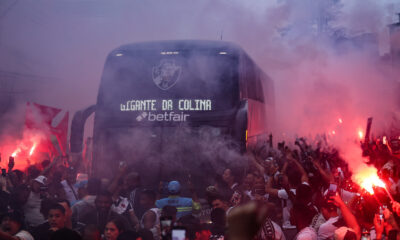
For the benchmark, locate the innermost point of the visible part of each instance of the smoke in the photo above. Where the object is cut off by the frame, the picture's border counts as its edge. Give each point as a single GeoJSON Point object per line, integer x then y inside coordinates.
{"type": "Point", "coordinates": [333, 70]}
{"type": "Point", "coordinates": [180, 153]}
{"type": "Point", "coordinates": [322, 68]}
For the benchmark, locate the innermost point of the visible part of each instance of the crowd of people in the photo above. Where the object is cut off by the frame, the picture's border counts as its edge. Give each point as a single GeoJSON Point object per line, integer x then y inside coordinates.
{"type": "Point", "coordinates": [301, 192]}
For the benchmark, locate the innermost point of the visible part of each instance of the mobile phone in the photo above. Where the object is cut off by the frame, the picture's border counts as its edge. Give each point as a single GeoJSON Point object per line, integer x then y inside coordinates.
{"type": "Point", "coordinates": [381, 209]}
{"type": "Point", "coordinates": [332, 189]}
{"type": "Point", "coordinates": [178, 233]}
{"type": "Point", "coordinates": [165, 223]}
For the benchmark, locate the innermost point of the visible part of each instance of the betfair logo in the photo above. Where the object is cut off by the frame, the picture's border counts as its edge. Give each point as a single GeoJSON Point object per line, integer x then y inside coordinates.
{"type": "Point", "coordinates": [160, 117]}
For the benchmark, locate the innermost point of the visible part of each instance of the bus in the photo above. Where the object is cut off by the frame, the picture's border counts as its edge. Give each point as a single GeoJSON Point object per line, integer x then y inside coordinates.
{"type": "Point", "coordinates": [171, 109]}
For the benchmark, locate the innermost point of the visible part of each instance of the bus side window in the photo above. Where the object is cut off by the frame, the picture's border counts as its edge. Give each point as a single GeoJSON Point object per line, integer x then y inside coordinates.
{"type": "Point", "coordinates": [251, 80]}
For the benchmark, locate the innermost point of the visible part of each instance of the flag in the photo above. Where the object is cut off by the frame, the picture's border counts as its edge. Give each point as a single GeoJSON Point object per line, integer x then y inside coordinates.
{"type": "Point", "coordinates": [53, 123]}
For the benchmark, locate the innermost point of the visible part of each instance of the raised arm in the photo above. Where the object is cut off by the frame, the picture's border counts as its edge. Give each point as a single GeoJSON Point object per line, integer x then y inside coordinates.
{"type": "Point", "coordinates": [325, 174]}
{"type": "Point", "coordinates": [253, 160]}
{"type": "Point", "coordinates": [348, 216]}
{"type": "Point", "coordinates": [113, 187]}
{"type": "Point", "coordinates": [304, 175]}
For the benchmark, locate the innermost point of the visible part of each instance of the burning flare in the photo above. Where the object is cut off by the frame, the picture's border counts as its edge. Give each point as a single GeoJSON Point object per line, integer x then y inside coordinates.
{"type": "Point", "coordinates": [32, 149]}
{"type": "Point", "coordinates": [360, 134]}
{"type": "Point", "coordinates": [368, 178]}
{"type": "Point", "coordinates": [14, 154]}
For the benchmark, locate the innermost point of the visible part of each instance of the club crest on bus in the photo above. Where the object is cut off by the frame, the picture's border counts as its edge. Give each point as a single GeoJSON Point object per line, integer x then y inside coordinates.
{"type": "Point", "coordinates": [166, 74]}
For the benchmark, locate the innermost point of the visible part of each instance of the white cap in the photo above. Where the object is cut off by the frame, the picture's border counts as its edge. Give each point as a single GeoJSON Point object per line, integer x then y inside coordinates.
{"type": "Point", "coordinates": [41, 179]}
{"type": "Point", "coordinates": [268, 159]}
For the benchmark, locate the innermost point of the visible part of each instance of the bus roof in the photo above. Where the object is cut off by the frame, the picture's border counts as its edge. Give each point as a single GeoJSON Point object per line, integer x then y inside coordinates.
{"type": "Point", "coordinates": [176, 45]}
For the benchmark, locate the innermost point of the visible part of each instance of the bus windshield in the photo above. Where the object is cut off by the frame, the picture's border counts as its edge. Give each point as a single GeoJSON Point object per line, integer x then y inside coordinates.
{"type": "Point", "coordinates": [176, 86]}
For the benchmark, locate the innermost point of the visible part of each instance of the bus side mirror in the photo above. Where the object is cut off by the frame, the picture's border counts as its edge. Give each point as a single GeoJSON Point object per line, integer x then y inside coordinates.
{"type": "Point", "coordinates": [77, 128]}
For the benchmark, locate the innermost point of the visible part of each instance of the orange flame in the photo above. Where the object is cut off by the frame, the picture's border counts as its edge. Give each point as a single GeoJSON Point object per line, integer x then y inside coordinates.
{"type": "Point", "coordinates": [368, 178]}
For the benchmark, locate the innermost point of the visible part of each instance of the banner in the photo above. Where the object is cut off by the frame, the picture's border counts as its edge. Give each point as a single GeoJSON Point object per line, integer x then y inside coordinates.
{"type": "Point", "coordinates": [53, 122]}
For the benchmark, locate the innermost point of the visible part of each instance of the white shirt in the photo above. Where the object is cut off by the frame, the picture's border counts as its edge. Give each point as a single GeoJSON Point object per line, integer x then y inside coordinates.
{"type": "Point", "coordinates": [121, 205]}
{"type": "Point", "coordinates": [82, 207]}
{"type": "Point", "coordinates": [286, 206]}
{"type": "Point", "coordinates": [24, 235]}
{"type": "Point", "coordinates": [252, 197]}
{"type": "Point", "coordinates": [33, 217]}
{"type": "Point", "coordinates": [69, 192]}
{"type": "Point", "coordinates": [266, 176]}
{"type": "Point", "coordinates": [307, 233]}
{"type": "Point", "coordinates": [155, 230]}
{"type": "Point", "coordinates": [327, 229]}
{"type": "Point", "coordinates": [317, 221]}
{"type": "Point", "coordinates": [278, 232]}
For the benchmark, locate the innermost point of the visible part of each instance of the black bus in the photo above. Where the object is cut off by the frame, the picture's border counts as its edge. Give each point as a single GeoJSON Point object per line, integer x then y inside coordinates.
{"type": "Point", "coordinates": [173, 108]}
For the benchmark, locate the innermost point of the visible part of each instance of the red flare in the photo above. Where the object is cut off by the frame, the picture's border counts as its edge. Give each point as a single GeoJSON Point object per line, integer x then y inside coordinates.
{"type": "Point", "coordinates": [360, 134]}
{"type": "Point", "coordinates": [368, 178]}
{"type": "Point", "coordinates": [14, 154]}
{"type": "Point", "coordinates": [32, 149]}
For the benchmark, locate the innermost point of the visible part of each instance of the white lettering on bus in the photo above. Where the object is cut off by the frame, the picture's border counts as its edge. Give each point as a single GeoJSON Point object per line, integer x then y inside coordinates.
{"type": "Point", "coordinates": [139, 105]}
{"type": "Point", "coordinates": [167, 105]}
{"type": "Point", "coordinates": [166, 116]}
{"type": "Point", "coordinates": [194, 105]}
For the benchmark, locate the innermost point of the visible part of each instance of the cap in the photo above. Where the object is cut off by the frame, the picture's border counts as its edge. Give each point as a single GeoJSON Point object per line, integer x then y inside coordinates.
{"type": "Point", "coordinates": [82, 177]}
{"type": "Point", "coordinates": [268, 159]}
{"type": "Point", "coordinates": [174, 187]}
{"type": "Point", "coordinates": [41, 179]}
